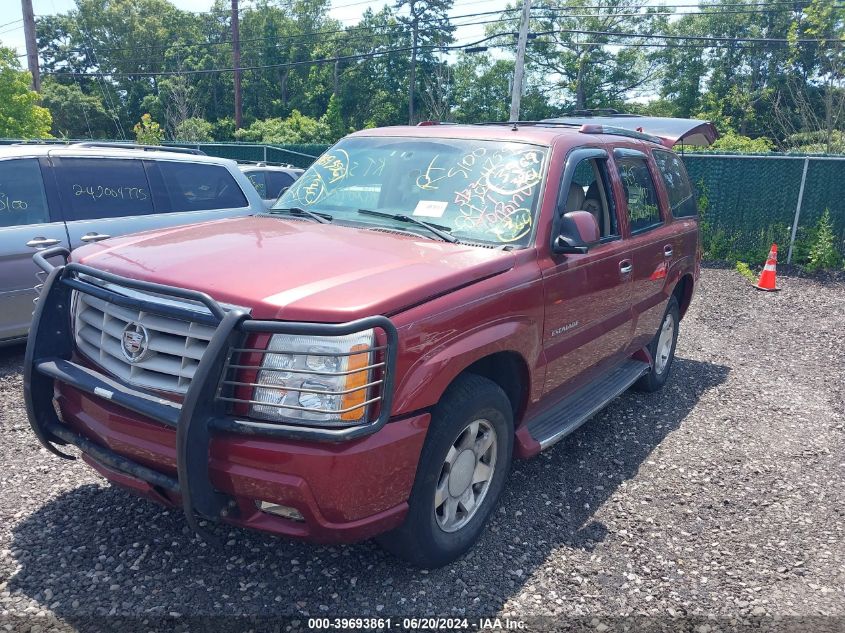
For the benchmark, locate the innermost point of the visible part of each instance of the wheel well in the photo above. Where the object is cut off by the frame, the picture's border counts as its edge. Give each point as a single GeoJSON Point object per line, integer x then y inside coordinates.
{"type": "Point", "coordinates": [683, 292]}
{"type": "Point", "coordinates": [510, 372]}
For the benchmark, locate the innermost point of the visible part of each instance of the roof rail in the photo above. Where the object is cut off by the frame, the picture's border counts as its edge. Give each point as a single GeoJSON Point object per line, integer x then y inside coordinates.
{"type": "Point", "coordinates": [588, 112]}
{"type": "Point", "coordinates": [265, 163]}
{"type": "Point", "coordinates": [597, 128]}
{"type": "Point", "coordinates": [146, 148]}
{"type": "Point", "coordinates": [516, 124]}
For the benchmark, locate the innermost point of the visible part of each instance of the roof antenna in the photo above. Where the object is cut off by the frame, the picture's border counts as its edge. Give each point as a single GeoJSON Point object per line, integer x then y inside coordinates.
{"type": "Point", "coordinates": [514, 127]}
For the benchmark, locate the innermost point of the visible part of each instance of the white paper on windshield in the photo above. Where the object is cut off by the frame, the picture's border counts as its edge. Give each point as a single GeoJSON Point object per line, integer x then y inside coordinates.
{"type": "Point", "coordinates": [430, 208]}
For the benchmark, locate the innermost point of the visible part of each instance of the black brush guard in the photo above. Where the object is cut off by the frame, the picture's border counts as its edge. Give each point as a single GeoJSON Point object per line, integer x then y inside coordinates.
{"type": "Point", "coordinates": [50, 349]}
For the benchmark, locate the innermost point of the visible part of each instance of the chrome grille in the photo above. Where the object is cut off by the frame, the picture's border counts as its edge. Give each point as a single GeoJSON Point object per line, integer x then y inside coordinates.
{"type": "Point", "coordinates": [174, 346]}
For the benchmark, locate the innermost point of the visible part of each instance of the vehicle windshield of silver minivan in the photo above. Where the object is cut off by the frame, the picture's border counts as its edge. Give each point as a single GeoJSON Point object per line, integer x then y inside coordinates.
{"type": "Point", "coordinates": [474, 190]}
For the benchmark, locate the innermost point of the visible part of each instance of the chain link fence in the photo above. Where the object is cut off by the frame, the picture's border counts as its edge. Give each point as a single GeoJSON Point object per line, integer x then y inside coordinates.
{"type": "Point", "coordinates": [748, 202]}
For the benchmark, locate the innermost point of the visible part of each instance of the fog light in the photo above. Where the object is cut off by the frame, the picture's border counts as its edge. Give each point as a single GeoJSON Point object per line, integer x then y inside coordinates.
{"type": "Point", "coordinates": [285, 512]}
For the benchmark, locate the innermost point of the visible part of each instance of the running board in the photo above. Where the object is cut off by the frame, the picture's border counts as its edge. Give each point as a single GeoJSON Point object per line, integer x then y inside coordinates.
{"type": "Point", "coordinates": [574, 410]}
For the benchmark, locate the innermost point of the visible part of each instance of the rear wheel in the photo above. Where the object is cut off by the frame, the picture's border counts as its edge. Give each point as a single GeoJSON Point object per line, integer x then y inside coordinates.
{"type": "Point", "coordinates": [662, 349]}
{"type": "Point", "coordinates": [462, 471]}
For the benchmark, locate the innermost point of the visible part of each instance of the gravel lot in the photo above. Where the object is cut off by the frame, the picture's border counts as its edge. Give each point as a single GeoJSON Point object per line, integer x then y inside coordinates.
{"type": "Point", "coordinates": [720, 496]}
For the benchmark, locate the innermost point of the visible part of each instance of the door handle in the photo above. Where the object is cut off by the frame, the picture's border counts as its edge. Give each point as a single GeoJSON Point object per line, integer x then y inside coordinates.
{"type": "Point", "coordinates": [625, 266]}
{"type": "Point", "coordinates": [94, 237]}
{"type": "Point", "coordinates": [42, 242]}
{"type": "Point", "coordinates": [667, 251]}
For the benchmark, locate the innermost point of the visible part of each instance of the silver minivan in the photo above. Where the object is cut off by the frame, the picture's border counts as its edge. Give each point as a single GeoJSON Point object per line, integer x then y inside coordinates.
{"type": "Point", "coordinates": [76, 194]}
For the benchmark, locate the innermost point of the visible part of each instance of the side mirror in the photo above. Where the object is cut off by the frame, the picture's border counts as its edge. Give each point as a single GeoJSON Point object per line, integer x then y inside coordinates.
{"type": "Point", "coordinates": [579, 230]}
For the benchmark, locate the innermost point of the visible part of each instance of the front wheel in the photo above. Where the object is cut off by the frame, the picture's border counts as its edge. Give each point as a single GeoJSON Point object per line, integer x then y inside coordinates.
{"type": "Point", "coordinates": [662, 349]}
{"type": "Point", "coordinates": [462, 471]}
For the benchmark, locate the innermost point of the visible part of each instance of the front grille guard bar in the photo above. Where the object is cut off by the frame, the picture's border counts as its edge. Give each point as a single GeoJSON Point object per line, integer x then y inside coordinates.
{"type": "Point", "coordinates": [50, 348]}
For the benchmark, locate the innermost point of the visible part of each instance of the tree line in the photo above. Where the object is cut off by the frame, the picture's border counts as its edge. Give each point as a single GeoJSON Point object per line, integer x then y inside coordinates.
{"type": "Point", "coordinates": [771, 75]}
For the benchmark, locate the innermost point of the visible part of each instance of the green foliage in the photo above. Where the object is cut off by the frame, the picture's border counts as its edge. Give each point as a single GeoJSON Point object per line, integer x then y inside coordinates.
{"type": "Point", "coordinates": [745, 270]}
{"type": "Point", "coordinates": [223, 129]}
{"type": "Point", "coordinates": [823, 253]}
{"type": "Point", "coordinates": [194, 129]}
{"type": "Point", "coordinates": [333, 120]}
{"type": "Point", "coordinates": [733, 142]}
{"type": "Point", "coordinates": [75, 113]}
{"type": "Point", "coordinates": [816, 142]}
{"type": "Point", "coordinates": [20, 114]}
{"type": "Point", "coordinates": [297, 128]}
{"type": "Point", "coordinates": [147, 131]}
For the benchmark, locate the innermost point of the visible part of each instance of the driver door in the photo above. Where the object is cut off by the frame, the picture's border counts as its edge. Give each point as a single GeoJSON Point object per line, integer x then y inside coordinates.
{"type": "Point", "coordinates": [587, 296]}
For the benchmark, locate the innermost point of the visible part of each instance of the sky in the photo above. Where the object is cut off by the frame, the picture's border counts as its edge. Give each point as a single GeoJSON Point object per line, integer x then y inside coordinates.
{"type": "Point", "coordinates": [347, 11]}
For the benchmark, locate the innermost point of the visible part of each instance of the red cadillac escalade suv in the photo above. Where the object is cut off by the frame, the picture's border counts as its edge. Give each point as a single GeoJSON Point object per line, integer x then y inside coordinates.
{"type": "Point", "coordinates": [366, 358]}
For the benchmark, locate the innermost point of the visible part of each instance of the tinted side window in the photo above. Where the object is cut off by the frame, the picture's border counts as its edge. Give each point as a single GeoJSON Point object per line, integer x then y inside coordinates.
{"type": "Point", "coordinates": [197, 187]}
{"type": "Point", "coordinates": [640, 192]}
{"type": "Point", "coordinates": [22, 199]}
{"type": "Point", "coordinates": [276, 181]}
{"type": "Point", "coordinates": [259, 181]}
{"type": "Point", "coordinates": [678, 188]}
{"type": "Point", "coordinates": [94, 188]}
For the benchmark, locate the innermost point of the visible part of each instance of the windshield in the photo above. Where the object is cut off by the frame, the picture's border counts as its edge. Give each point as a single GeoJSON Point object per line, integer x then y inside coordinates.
{"type": "Point", "coordinates": [483, 191]}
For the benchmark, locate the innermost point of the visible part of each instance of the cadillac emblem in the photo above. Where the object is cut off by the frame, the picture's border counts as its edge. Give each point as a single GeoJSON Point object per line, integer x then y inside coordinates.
{"type": "Point", "coordinates": [135, 342]}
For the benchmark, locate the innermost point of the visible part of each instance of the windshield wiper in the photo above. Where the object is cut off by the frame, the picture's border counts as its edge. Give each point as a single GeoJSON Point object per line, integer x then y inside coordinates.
{"type": "Point", "coordinates": [436, 229]}
{"type": "Point", "coordinates": [322, 218]}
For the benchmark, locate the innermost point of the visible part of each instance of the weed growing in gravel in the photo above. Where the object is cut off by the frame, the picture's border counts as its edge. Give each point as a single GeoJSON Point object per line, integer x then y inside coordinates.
{"type": "Point", "coordinates": [745, 270]}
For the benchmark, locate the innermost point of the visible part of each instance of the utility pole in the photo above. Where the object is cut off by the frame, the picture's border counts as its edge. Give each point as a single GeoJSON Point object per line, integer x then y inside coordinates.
{"type": "Point", "coordinates": [31, 45]}
{"type": "Point", "coordinates": [519, 68]}
{"type": "Point", "coordinates": [236, 60]}
{"type": "Point", "coordinates": [412, 79]}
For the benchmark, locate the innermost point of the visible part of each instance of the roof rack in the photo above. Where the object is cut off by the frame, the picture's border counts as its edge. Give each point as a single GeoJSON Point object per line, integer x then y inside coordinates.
{"type": "Point", "coordinates": [589, 112]}
{"type": "Point", "coordinates": [515, 124]}
{"type": "Point", "coordinates": [598, 128]}
{"type": "Point", "coordinates": [146, 148]}
{"type": "Point", "coordinates": [265, 163]}
{"type": "Point", "coordinates": [583, 128]}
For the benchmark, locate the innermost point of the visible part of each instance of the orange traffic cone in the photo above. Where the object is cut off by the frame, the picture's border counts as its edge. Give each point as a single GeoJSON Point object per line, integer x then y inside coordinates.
{"type": "Point", "coordinates": [768, 277]}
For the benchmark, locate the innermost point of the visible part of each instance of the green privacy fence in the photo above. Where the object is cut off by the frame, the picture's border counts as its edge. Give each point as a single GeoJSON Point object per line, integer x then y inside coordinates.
{"type": "Point", "coordinates": [750, 201]}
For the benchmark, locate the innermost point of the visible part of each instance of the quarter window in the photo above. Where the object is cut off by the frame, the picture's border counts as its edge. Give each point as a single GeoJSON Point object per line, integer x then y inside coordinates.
{"type": "Point", "coordinates": [198, 187]}
{"type": "Point", "coordinates": [640, 193]}
{"type": "Point", "coordinates": [94, 188]}
{"type": "Point", "coordinates": [22, 199]}
{"type": "Point", "coordinates": [678, 188]}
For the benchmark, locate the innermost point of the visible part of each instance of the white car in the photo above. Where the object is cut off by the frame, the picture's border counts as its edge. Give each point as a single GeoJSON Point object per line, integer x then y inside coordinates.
{"type": "Point", "coordinates": [270, 181]}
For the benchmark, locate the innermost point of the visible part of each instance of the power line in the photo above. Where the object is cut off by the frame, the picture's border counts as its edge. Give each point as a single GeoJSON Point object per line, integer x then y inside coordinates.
{"type": "Point", "coordinates": [325, 60]}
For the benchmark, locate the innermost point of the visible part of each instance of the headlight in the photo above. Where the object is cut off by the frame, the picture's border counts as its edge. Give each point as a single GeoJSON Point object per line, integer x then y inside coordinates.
{"type": "Point", "coordinates": [317, 379]}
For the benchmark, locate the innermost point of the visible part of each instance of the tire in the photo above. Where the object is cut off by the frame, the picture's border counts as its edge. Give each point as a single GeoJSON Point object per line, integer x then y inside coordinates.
{"type": "Point", "coordinates": [661, 356]}
{"type": "Point", "coordinates": [439, 530]}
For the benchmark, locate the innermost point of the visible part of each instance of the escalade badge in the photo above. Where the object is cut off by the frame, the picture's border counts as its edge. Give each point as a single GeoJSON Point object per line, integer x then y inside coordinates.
{"type": "Point", "coordinates": [135, 342]}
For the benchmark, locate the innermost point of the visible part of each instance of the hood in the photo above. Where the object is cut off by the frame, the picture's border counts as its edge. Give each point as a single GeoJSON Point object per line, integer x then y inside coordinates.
{"type": "Point", "coordinates": [298, 269]}
{"type": "Point", "coordinates": [669, 130]}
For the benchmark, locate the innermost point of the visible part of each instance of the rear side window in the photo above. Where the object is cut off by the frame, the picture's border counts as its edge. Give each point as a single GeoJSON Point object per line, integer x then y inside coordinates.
{"type": "Point", "coordinates": [22, 199]}
{"type": "Point", "coordinates": [640, 192]}
{"type": "Point", "coordinates": [276, 181]}
{"type": "Point", "coordinates": [678, 188]}
{"type": "Point", "coordinates": [198, 187]}
{"type": "Point", "coordinates": [94, 188]}
{"type": "Point", "coordinates": [258, 180]}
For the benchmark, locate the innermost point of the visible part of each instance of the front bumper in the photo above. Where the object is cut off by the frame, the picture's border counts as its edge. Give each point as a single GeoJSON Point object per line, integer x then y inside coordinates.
{"type": "Point", "coordinates": [198, 454]}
